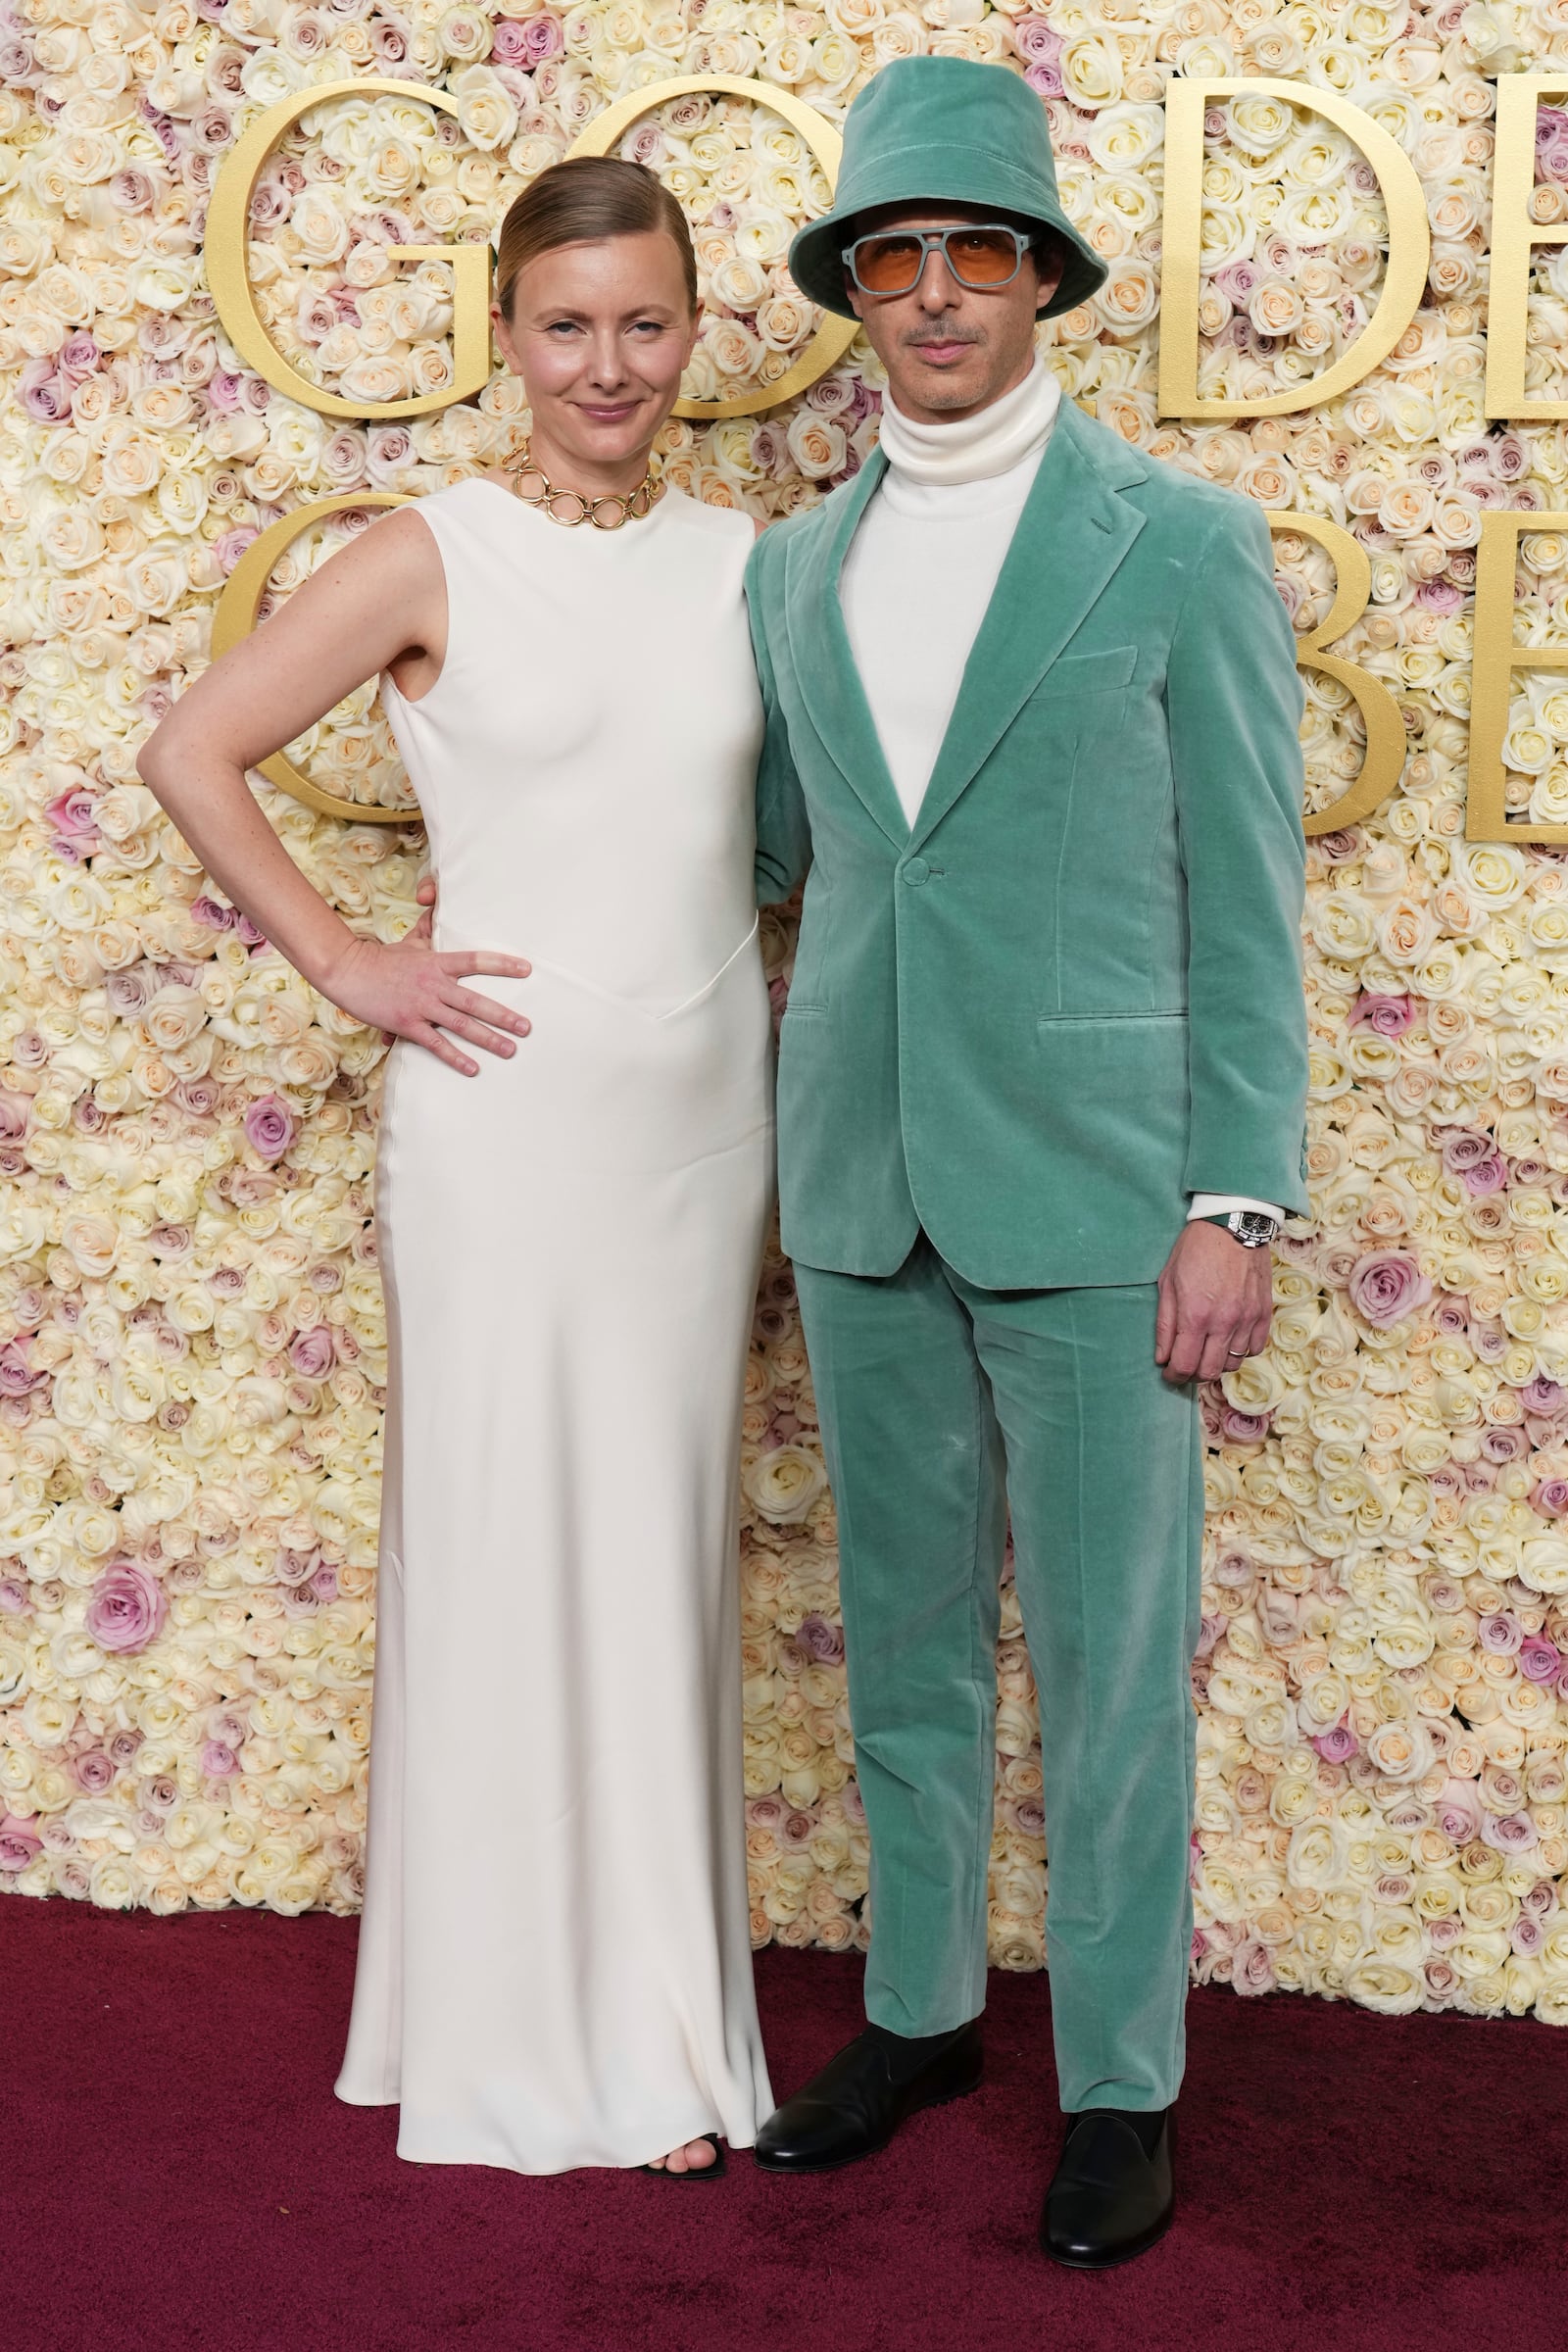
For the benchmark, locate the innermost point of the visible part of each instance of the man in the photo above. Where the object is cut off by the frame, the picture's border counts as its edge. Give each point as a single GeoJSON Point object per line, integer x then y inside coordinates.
{"type": "Point", "coordinates": [1032, 739]}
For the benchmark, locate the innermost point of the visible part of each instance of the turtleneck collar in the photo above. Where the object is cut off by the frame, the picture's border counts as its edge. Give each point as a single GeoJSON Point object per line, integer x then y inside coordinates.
{"type": "Point", "coordinates": [974, 449]}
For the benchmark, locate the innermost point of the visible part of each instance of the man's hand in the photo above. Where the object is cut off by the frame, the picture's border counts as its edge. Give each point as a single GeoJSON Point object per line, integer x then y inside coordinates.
{"type": "Point", "coordinates": [1215, 1301]}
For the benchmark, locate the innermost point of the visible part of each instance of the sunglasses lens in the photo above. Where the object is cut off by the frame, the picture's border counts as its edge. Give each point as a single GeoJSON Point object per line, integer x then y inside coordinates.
{"type": "Point", "coordinates": [982, 256]}
{"type": "Point", "coordinates": [887, 264]}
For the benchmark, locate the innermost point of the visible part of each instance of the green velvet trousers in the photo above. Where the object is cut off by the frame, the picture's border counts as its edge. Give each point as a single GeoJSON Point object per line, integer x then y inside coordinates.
{"type": "Point", "coordinates": [942, 1405]}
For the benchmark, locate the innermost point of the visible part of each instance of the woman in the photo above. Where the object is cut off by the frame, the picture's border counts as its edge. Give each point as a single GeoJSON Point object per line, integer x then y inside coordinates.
{"type": "Point", "coordinates": [555, 1964]}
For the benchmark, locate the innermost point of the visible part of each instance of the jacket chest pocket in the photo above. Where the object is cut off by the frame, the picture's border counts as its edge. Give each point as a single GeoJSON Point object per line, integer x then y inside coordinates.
{"type": "Point", "coordinates": [1081, 694]}
{"type": "Point", "coordinates": [1085, 678]}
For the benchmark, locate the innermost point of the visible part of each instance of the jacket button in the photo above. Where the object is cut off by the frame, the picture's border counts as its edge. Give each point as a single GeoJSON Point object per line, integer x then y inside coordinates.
{"type": "Point", "coordinates": [916, 870]}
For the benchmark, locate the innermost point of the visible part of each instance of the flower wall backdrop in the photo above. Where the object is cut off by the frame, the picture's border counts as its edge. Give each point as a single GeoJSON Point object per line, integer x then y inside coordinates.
{"type": "Point", "coordinates": [193, 1346]}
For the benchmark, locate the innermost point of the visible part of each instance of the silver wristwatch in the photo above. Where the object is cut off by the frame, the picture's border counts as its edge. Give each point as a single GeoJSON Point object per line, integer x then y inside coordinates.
{"type": "Point", "coordinates": [1248, 1226]}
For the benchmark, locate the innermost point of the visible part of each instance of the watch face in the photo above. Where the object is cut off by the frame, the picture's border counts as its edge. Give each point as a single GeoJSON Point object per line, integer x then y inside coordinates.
{"type": "Point", "coordinates": [1252, 1229]}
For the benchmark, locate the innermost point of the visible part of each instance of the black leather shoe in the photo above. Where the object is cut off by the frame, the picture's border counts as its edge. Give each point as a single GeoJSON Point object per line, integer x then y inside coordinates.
{"type": "Point", "coordinates": [854, 2105]}
{"type": "Point", "coordinates": [1109, 2202]}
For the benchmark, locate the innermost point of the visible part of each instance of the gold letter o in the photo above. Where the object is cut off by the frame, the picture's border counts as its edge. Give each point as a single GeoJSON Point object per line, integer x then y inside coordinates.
{"type": "Point", "coordinates": [834, 336]}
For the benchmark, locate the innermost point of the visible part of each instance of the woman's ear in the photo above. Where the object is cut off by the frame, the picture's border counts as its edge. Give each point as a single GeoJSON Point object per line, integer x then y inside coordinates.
{"type": "Point", "coordinates": [502, 333]}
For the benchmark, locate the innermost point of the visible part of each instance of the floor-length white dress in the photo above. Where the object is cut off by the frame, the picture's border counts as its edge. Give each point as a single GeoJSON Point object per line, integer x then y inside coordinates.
{"type": "Point", "coordinates": [554, 1965]}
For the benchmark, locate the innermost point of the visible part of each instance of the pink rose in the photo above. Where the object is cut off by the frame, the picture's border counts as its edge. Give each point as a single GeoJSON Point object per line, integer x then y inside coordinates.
{"type": "Point", "coordinates": [198, 1096]}
{"type": "Point", "coordinates": [312, 1353]}
{"type": "Point", "coordinates": [1041, 50]}
{"type": "Point", "coordinates": [1252, 1968]}
{"type": "Point", "coordinates": [1389, 1016]}
{"type": "Point", "coordinates": [74, 822]}
{"type": "Point", "coordinates": [1539, 1660]}
{"type": "Point", "coordinates": [389, 39]}
{"type": "Point", "coordinates": [542, 39]}
{"type": "Point", "coordinates": [1237, 281]}
{"type": "Point", "coordinates": [45, 396]}
{"type": "Point", "coordinates": [1441, 1980]}
{"type": "Point", "coordinates": [93, 1771]}
{"type": "Point", "coordinates": [18, 1844]}
{"type": "Point", "coordinates": [1459, 1811]}
{"type": "Point", "coordinates": [1337, 1745]}
{"type": "Point", "coordinates": [1033, 38]}
{"type": "Point", "coordinates": [127, 1609]}
{"type": "Point", "coordinates": [17, 1376]}
{"type": "Point", "coordinates": [1549, 1497]}
{"type": "Point", "coordinates": [270, 1127]}
{"type": "Point", "coordinates": [1499, 1634]}
{"type": "Point", "coordinates": [1489, 1175]}
{"type": "Point", "coordinates": [821, 1641]}
{"type": "Point", "coordinates": [229, 546]}
{"type": "Point", "coordinates": [1510, 1834]}
{"type": "Point", "coordinates": [508, 44]}
{"type": "Point", "coordinates": [1386, 1286]}
{"type": "Point", "coordinates": [1463, 1147]}
{"type": "Point", "coordinates": [219, 1761]}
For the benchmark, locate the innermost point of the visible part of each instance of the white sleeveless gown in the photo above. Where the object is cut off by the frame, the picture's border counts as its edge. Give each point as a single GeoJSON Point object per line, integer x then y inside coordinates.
{"type": "Point", "coordinates": [554, 1965]}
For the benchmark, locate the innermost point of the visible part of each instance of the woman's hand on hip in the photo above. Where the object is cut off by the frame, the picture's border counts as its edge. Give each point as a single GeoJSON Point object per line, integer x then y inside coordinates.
{"type": "Point", "coordinates": [413, 990]}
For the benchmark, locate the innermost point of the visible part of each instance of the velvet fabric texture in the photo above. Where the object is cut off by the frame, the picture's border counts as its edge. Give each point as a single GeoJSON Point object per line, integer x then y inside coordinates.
{"type": "Point", "coordinates": [1070, 995]}
{"type": "Point", "coordinates": [932, 1393]}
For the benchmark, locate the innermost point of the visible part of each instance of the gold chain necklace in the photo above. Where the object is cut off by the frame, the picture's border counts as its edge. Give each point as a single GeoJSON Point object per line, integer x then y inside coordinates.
{"type": "Point", "coordinates": [568, 507]}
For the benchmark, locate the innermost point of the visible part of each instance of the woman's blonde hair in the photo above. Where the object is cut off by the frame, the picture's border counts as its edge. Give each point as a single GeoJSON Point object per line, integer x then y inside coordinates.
{"type": "Point", "coordinates": [582, 202]}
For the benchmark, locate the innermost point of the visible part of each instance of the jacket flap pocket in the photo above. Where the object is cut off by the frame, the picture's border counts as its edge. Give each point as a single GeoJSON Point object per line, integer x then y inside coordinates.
{"type": "Point", "coordinates": [1087, 673]}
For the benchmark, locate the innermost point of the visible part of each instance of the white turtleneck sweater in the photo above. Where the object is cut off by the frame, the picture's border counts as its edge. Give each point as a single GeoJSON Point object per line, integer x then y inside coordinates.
{"type": "Point", "coordinates": [921, 570]}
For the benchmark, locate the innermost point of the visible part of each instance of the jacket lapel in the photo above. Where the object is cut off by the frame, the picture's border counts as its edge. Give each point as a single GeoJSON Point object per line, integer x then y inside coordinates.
{"type": "Point", "coordinates": [824, 666]}
{"type": "Point", "coordinates": [1072, 534]}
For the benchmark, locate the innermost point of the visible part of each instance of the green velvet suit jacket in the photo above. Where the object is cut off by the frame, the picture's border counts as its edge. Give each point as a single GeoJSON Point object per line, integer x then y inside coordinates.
{"type": "Point", "coordinates": [1070, 996]}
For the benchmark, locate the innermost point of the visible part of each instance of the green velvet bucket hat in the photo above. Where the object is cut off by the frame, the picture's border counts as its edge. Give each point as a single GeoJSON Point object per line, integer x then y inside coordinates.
{"type": "Point", "coordinates": [944, 130]}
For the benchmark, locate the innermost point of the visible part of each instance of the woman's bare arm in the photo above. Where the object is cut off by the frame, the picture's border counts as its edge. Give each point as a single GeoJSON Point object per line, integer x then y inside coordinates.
{"type": "Point", "coordinates": [381, 600]}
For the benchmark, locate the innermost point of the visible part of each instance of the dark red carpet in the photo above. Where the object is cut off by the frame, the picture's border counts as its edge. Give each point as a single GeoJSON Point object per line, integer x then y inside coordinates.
{"type": "Point", "coordinates": [175, 2173]}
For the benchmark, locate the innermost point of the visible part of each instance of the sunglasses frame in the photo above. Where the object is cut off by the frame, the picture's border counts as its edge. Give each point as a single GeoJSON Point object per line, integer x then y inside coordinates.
{"type": "Point", "coordinates": [935, 241]}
